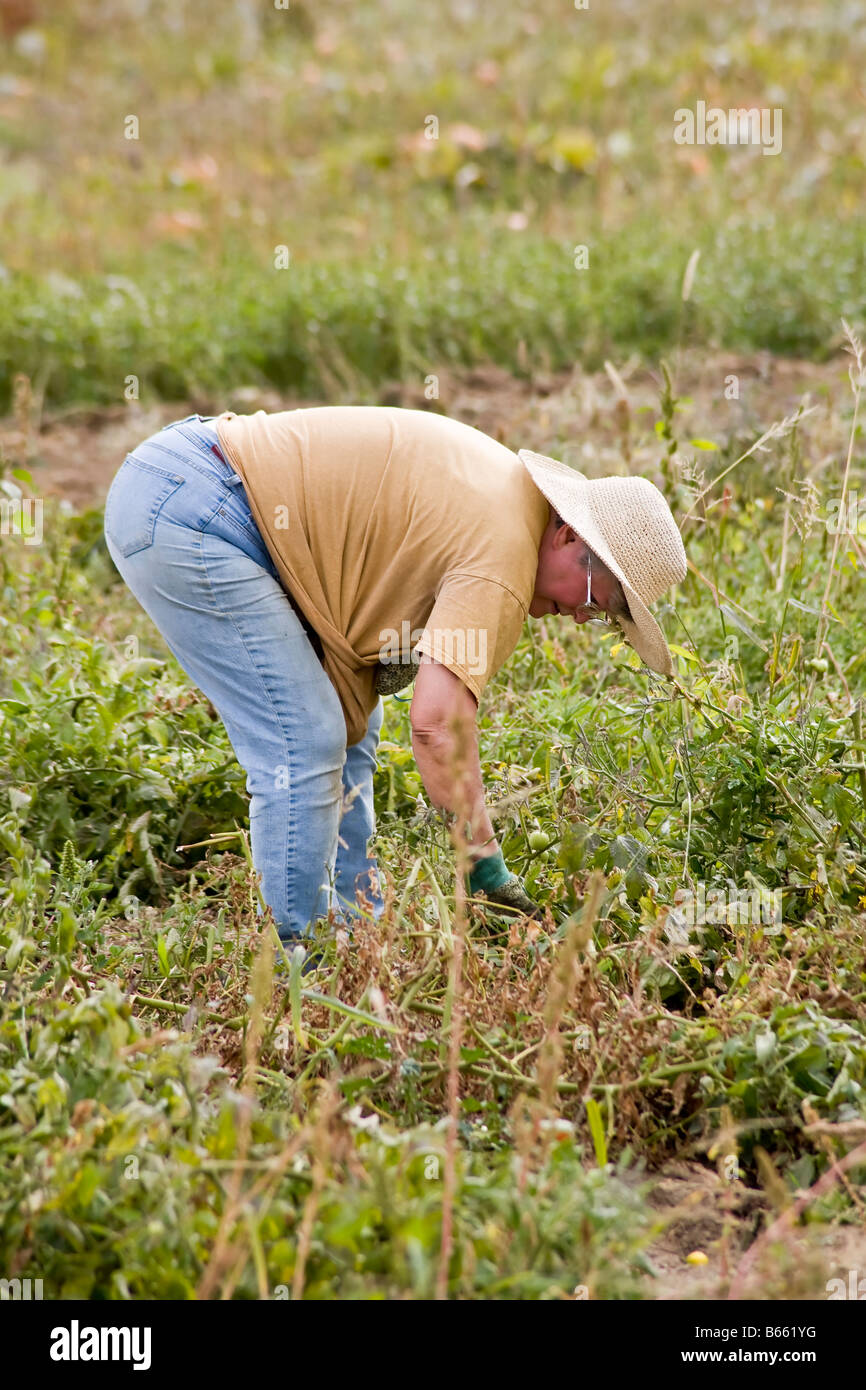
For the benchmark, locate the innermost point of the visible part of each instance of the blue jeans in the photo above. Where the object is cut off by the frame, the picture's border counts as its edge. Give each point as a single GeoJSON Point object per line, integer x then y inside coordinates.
{"type": "Point", "coordinates": [179, 529]}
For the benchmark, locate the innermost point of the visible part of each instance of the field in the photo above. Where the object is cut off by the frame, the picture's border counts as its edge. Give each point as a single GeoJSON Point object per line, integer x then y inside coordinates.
{"type": "Point", "coordinates": [658, 1092]}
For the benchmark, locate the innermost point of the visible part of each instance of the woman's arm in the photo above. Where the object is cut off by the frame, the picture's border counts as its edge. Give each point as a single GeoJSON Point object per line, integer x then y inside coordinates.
{"type": "Point", "coordinates": [445, 744]}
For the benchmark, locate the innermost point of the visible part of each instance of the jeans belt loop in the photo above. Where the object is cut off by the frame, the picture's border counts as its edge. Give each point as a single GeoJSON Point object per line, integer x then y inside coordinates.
{"type": "Point", "coordinates": [234, 480]}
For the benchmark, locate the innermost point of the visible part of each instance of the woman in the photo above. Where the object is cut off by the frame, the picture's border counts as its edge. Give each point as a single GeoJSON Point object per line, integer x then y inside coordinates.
{"type": "Point", "coordinates": [292, 560]}
{"type": "Point", "coordinates": [179, 529]}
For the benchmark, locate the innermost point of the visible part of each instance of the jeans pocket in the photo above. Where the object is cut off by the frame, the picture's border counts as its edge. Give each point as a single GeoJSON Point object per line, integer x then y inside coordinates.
{"type": "Point", "coordinates": [135, 500]}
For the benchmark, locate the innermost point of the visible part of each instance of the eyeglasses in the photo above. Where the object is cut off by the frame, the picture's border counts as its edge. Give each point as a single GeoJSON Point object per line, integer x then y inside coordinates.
{"type": "Point", "coordinates": [598, 614]}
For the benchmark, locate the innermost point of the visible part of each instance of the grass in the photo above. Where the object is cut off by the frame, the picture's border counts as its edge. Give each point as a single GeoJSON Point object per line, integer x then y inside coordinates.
{"type": "Point", "coordinates": [341, 331]}
{"type": "Point", "coordinates": [453, 1106]}
{"type": "Point", "coordinates": [241, 1128]}
{"type": "Point", "coordinates": [155, 257]}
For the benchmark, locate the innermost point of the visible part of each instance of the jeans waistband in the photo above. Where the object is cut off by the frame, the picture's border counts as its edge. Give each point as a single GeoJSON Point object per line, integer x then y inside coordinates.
{"type": "Point", "coordinates": [203, 433]}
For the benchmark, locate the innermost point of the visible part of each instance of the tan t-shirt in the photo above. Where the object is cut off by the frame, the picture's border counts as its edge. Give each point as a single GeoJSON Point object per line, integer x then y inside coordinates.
{"type": "Point", "coordinates": [395, 531]}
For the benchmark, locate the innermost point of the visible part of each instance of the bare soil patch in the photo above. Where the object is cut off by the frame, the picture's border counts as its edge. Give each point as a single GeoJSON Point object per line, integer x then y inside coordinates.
{"type": "Point", "coordinates": [593, 420]}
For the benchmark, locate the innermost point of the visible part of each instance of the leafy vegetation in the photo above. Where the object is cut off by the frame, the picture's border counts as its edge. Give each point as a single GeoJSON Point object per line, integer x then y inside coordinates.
{"type": "Point", "coordinates": [428, 183]}
{"type": "Point", "coordinates": [177, 1116]}
{"type": "Point", "coordinates": [451, 1106]}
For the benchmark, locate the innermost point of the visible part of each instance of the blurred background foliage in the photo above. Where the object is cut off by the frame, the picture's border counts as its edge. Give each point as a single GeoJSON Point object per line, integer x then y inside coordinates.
{"type": "Point", "coordinates": [306, 128]}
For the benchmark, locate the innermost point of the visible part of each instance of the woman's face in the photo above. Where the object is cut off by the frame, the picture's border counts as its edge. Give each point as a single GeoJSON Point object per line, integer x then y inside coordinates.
{"type": "Point", "coordinates": [561, 579]}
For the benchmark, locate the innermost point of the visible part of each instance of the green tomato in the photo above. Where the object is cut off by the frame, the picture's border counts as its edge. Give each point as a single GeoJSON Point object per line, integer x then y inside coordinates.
{"type": "Point", "coordinates": [538, 840]}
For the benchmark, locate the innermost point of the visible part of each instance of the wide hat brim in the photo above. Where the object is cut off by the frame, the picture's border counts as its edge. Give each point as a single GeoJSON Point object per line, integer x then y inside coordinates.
{"type": "Point", "coordinates": [571, 495]}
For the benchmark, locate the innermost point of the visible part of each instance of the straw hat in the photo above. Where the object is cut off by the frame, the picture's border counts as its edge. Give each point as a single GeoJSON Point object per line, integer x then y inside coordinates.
{"type": "Point", "coordinates": [628, 524]}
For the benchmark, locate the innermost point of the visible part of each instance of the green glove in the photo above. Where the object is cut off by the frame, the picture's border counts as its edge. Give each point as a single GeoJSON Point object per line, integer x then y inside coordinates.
{"type": "Point", "coordinates": [491, 876]}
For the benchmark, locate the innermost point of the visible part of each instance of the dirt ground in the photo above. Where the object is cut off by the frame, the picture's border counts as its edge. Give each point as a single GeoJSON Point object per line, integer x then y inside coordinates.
{"type": "Point", "coordinates": [594, 421]}
{"type": "Point", "coordinates": [705, 1215]}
